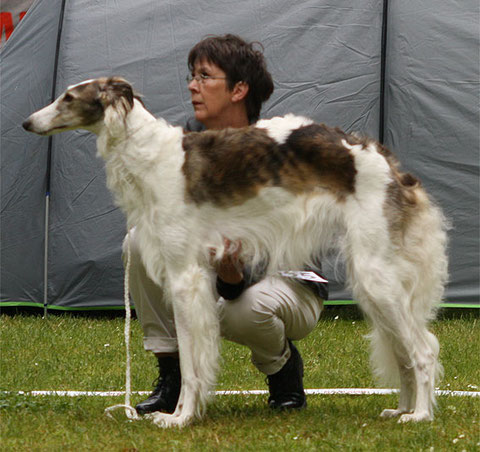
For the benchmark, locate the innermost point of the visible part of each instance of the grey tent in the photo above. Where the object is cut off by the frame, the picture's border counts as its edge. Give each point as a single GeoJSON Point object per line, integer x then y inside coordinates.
{"type": "Point", "coordinates": [415, 86]}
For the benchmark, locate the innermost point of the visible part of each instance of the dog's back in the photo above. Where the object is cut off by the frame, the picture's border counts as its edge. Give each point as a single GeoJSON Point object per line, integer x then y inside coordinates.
{"type": "Point", "coordinates": [230, 166]}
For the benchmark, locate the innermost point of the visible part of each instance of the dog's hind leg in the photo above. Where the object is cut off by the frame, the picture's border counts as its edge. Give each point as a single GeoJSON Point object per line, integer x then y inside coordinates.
{"type": "Point", "coordinates": [426, 354]}
{"type": "Point", "coordinates": [390, 365]}
{"type": "Point", "coordinates": [406, 401]}
{"type": "Point", "coordinates": [378, 287]}
{"type": "Point", "coordinates": [198, 332]}
{"type": "Point", "coordinates": [410, 345]}
{"type": "Point", "coordinates": [423, 285]}
{"type": "Point", "coordinates": [416, 369]}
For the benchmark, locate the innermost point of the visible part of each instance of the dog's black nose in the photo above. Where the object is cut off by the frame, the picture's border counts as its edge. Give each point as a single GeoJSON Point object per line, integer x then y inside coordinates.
{"type": "Point", "coordinates": [27, 124]}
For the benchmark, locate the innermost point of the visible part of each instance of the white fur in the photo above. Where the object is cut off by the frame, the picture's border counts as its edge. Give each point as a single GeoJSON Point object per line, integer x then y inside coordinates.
{"type": "Point", "coordinates": [279, 128]}
{"type": "Point", "coordinates": [85, 82]}
{"type": "Point", "coordinates": [397, 281]}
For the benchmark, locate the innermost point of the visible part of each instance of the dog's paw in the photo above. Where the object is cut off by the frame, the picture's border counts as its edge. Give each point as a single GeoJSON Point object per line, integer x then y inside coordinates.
{"type": "Point", "coordinates": [158, 418]}
{"type": "Point", "coordinates": [415, 417]}
{"type": "Point", "coordinates": [387, 414]}
{"type": "Point", "coordinates": [164, 420]}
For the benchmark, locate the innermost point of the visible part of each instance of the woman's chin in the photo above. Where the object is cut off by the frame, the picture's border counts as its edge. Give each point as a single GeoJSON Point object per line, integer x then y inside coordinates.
{"type": "Point", "coordinates": [201, 117]}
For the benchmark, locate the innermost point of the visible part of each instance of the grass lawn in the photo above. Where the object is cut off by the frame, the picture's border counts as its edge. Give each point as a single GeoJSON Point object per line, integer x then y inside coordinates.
{"type": "Point", "coordinates": [67, 352]}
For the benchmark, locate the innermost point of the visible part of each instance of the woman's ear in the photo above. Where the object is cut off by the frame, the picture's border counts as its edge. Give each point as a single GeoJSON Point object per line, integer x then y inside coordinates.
{"type": "Point", "coordinates": [239, 91]}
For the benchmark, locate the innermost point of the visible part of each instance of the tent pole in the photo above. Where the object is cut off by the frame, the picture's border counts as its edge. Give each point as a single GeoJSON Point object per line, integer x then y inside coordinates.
{"type": "Point", "coordinates": [45, 256]}
{"type": "Point", "coordinates": [49, 163]}
{"type": "Point", "coordinates": [383, 68]}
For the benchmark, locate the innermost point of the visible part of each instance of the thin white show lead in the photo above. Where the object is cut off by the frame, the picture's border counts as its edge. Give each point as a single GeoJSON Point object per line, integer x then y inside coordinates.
{"type": "Point", "coordinates": [130, 412]}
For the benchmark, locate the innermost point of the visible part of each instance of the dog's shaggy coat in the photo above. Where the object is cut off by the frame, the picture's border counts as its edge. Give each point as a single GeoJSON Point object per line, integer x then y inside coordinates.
{"type": "Point", "coordinates": [287, 188]}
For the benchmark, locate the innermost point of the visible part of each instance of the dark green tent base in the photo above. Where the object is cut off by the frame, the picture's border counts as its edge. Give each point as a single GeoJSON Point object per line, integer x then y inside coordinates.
{"type": "Point", "coordinates": [26, 304]}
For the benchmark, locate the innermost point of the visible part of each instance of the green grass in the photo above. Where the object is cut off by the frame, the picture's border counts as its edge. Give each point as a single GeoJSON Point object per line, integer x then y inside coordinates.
{"type": "Point", "coordinates": [67, 352]}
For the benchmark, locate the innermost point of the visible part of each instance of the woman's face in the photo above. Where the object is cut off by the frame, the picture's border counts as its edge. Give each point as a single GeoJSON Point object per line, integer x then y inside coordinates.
{"type": "Point", "coordinates": [211, 98]}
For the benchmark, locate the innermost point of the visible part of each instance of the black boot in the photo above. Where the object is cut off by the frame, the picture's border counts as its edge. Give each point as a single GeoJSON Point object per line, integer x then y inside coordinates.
{"type": "Point", "coordinates": [286, 386]}
{"type": "Point", "coordinates": [167, 390]}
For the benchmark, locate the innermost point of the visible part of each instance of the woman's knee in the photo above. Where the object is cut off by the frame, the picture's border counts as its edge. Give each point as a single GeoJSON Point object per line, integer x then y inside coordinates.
{"type": "Point", "coordinates": [254, 310]}
{"type": "Point", "coordinates": [272, 307]}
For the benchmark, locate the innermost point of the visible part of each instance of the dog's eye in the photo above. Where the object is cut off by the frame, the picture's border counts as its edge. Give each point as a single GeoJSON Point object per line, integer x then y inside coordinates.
{"type": "Point", "coordinates": [68, 97]}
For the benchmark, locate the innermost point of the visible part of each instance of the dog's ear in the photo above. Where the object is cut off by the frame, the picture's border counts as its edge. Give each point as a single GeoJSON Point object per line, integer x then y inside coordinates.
{"type": "Point", "coordinates": [116, 91]}
{"type": "Point", "coordinates": [117, 98]}
{"type": "Point", "coordinates": [122, 88]}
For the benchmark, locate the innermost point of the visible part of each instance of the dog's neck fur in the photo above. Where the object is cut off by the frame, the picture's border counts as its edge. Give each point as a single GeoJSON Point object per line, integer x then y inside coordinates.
{"type": "Point", "coordinates": [130, 142]}
{"type": "Point", "coordinates": [119, 125]}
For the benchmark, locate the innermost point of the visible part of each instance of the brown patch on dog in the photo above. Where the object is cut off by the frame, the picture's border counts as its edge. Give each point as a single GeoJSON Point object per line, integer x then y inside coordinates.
{"type": "Point", "coordinates": [402, 196]}
{"type": "Point", "coordinates": [403, 191]}
{"type": "Point", "coordinates": [317, 158]}
{"type": "Point", "coordinates": [400, 206]}
{"type": "Point", "coordinates": [84, 101]}
{"type": "Point", "coordinates": [230, 166]}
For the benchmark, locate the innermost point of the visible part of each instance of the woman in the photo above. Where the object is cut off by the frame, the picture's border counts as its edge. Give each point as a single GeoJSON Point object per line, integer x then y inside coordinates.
{"type": "Point", "coordinates": [228, 84]}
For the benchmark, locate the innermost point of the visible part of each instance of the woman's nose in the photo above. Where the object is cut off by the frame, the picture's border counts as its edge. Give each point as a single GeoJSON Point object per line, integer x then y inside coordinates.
{"type": "Point", "coordinates": [193, 85]}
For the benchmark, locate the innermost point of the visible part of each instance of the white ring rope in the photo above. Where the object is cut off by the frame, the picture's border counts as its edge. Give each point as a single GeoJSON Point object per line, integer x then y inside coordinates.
{"type": "Point", "coordinates": [326, 391]}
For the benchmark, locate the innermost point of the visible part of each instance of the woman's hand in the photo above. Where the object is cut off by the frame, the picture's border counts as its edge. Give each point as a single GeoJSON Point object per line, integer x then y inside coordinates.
{"type": "Point", "coordinates": [230, 268]}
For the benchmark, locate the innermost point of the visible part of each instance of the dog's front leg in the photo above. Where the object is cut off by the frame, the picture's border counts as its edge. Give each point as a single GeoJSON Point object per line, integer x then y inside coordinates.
{"type": "Point", "coordinates": [197, 326]}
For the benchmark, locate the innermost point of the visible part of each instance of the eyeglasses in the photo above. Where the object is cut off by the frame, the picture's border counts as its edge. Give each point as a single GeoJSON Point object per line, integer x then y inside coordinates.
{"type": "Point", "coordinates": [202, 78]}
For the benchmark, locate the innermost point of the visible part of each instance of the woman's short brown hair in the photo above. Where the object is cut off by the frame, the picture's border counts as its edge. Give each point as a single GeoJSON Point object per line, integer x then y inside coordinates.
{"type": "Point", "coordinates": [241, 62]}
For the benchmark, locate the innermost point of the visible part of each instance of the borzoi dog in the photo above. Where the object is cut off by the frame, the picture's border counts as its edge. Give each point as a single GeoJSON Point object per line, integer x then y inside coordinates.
{"type": "Point", "coordinates": [287, 188]}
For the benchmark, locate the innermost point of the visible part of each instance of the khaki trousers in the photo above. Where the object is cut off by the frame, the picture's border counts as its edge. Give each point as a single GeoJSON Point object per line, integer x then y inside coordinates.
{"type": "Point", "coordinates": [263, 317]}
